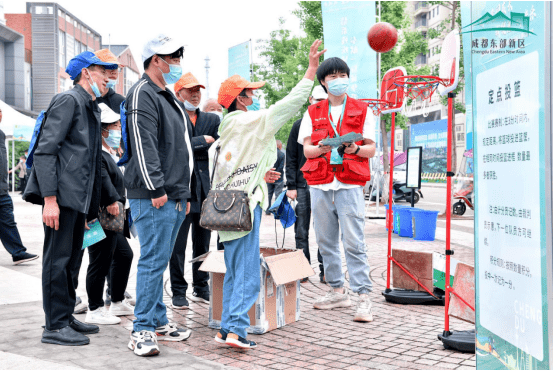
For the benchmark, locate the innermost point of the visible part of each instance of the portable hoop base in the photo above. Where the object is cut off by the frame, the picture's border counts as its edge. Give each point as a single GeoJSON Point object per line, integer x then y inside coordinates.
{"type": "Point", "coordinates": [462, 341]}
{"type": "Point", "coordinates": [411, 297]}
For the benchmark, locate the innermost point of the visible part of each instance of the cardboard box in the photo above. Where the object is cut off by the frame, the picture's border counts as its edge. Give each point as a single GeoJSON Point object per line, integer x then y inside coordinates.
{"type": "Point", "coordinates": [464, 285]}
{"type": "Point", "coordinates": [439, 270]}
{"type": "Point", "coordinates": [278, 302]}
{"type": "Point", "coordinates": [419, 264]}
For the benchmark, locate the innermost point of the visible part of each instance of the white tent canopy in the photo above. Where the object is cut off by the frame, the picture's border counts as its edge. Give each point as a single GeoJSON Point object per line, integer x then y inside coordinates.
{"type": "Point", "coordinates": [11, 119]}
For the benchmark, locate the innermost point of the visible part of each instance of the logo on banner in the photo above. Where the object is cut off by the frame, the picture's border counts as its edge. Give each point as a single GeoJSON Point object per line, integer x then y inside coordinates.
{"type": "Point", "coordinates": [510, 32]}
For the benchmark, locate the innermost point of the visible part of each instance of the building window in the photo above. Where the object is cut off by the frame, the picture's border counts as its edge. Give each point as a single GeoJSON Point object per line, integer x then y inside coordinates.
{"type": "Point", "coordinates": [61, 46]}
{"type": "Point", "coordinates": [77, 47]}
{"type": "Point", "coordinates": [460, 137]}
{"type": "Point", "coordinates": [70, 47]}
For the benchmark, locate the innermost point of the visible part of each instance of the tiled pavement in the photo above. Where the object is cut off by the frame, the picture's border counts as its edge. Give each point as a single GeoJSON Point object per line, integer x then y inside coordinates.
{"type": "Point", "coordinates": [400, 337]}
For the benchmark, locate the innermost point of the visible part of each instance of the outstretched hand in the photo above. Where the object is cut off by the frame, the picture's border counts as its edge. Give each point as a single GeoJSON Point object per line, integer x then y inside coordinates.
{"type": "Point", "coordinates": [314, 59]}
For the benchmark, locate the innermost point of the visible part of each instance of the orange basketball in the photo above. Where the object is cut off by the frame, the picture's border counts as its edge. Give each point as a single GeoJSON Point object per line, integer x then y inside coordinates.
{"type": "Point", "coordinates": [382, 37]}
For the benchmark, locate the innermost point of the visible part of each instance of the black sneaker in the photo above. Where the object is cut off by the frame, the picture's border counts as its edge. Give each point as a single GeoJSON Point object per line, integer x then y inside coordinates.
{"type": "Point", "coordinates": [322, 278]}
{"type": "Point", "coordinates": [26, 257]}
{"type": "Point", "coordinates": [237, 342]}
{"type": "Point", "coordinates": [180, 302]}
{"type": "Point", "coordinates": [202, 296]}
{"type": "Point", "coordinates": [304, 280]}
{"type": "Point", "coordinates": [221, 336]}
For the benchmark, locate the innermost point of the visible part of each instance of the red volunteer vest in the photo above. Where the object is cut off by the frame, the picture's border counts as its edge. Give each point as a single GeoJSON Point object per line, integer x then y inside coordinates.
{"type": "Point", "coordinates": [354, 169]}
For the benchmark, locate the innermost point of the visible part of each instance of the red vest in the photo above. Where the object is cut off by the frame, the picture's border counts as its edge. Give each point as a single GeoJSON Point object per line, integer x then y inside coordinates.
{"type": "Point", "coordinates": [354, 169]}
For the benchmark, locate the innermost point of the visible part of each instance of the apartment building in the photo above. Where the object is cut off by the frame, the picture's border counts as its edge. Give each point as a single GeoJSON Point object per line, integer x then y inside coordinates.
{"type": "Point", "coordinates": [426, 17]}
{"type": "Point", "coordinates": [53, 36]}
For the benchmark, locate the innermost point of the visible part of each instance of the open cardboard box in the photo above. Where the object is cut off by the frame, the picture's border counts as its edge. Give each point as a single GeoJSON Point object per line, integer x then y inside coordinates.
{"type": "Point", "coordinates": [278, 302]}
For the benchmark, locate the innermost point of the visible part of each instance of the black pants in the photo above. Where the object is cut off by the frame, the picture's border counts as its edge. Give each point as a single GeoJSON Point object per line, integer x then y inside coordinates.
{"type": "Point", "coordinates": [200, 245]}
{"type": "Point", "coordinates": [9, 234]}
{"type": "Point", "coordinates": [100, 259]}
{"type": "Point", "coordinates": [120, 268]}
{"type": "Point", "coordinates": [302, 225]}
{"type": "Point", "coordinates": [274, 188]}
{"type": "Point", "coordinates": [220, 244]}
{"type": "Point", "coordinates": [61, 260]}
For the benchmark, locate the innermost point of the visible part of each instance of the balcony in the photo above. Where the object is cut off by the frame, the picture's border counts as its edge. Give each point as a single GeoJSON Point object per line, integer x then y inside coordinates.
{"type": "Point", "coordinates": [421, 22]}
{"type": "Point", "coordinates": [421, 59]}
{"type": "Point", "coordinates": [421, 7]}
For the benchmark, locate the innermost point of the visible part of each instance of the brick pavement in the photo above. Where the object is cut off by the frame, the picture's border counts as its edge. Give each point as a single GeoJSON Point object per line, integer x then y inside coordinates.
{"type": "Point", "coordinates": [400, 337]}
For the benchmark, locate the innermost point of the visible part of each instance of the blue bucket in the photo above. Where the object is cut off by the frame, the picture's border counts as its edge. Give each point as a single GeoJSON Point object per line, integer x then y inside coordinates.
{"type": "Point", "coordinates": [424, 224]}
{"type": "Point", "coordinates": [395, 221]}
{"type": "Point", "coordinates": [405, 221]}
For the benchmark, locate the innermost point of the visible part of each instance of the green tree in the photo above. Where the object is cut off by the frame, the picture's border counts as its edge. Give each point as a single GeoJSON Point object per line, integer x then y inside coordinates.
{"type": "Point", "coordinates": [286, 58]}
{"type": "Point", "coordinates": [410, 44]}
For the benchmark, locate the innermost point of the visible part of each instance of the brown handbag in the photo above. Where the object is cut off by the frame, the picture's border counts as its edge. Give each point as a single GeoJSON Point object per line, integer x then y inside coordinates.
{"type": "Point", "coordinates": [225, 210]}
{"type": "Point", "coordinates": [110, 222]}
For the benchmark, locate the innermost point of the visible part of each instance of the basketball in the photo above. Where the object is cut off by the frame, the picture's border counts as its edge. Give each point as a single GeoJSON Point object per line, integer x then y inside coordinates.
{"type": "Point", "coordinates": [382, 37]}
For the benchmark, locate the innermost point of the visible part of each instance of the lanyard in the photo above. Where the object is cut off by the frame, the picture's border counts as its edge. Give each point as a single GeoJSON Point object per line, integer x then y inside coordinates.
{"type": "Point", "coordinates": [340, 118]}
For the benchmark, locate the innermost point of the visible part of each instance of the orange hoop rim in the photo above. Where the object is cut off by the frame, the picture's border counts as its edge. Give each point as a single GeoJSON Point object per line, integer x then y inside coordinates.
{"type": "Point", "coordinates": [377, 105]}
{"type": "Point", "coordinates": [420, 86]}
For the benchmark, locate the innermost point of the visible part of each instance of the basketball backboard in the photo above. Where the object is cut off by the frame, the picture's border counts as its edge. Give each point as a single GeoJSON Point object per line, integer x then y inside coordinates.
{"type": "Point", "coordinates": [449, 69]}
{"type": "Point", "coordinates": [391, 91]}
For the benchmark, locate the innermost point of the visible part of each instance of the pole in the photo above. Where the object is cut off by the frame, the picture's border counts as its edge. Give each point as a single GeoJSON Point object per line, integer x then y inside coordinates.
{"type": "Point", "coordinates": [389, 212]}
{"type": "Point", "coordinates": [448, 211]}
{"type": "Point", "coordinates": [413, 195]}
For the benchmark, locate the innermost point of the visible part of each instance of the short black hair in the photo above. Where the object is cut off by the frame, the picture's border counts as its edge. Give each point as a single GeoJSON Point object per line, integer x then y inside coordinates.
{"type": "Point", "coordinates": [329, 67]}
{"type": "Point", "coordinates": [176, 54]}
{"type": "Point", "coordinates": [77, 79]}
{"type": "Point", "coordinates": [233, 105]}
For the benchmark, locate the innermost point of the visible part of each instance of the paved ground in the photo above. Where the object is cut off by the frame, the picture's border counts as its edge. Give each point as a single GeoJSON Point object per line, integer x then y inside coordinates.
{"type": "Point", "coordinates": [400, 337]}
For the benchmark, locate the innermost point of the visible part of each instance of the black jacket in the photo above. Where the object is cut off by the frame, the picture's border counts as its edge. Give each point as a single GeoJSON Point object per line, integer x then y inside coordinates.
{"type": "Point", "coordinates": [113, 184]}
{"type": "Point", "coordinates": [280, 165]}
{"type": "Point", "coordinates": [3, 165]}
{"type": "Point", "coordinates": [160, 144]}
{"type": "Point", "coordinates": [206, 124]}
{"type": "Point", "coordinates": [295, 159]}
{"type": "Point", "coordinates": [112, 100]}
{"type": "Point", "coordinates": [67, 160]}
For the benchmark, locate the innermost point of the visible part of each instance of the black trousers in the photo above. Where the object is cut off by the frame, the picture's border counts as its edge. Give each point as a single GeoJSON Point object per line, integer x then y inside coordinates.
{"type": "Point", "coordinates": [120, 269]}
{"type": "Point", "coordinates": [100, 259]}
{"type": "Point", "coordinates": [9, 234]}
{"type": "Point", "coordinates": [220, 244]}
{"type": "Point", "coordinates": [200, 245]}
{"type": "Point", "coordinates": [302, 225]}
{"type": "Point", "coordinates": [62, 255]}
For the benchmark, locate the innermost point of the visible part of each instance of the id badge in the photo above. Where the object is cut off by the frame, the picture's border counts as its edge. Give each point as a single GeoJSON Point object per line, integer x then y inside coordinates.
{"type": "Point", "coordinates": [336, 159]}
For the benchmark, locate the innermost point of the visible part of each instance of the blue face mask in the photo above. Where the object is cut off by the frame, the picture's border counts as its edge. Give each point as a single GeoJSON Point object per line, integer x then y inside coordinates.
{"type": "Point", "coordinates": [114, 139]}
{"type": "Point", "coordinates": [111, 84]}
{"type": "Point", "coordinates": [94, 87]}
{"type": "Point", "coordinates": [255, 106]}
{"type": "Point", "coordinates": [174, 74]}
{"type": "Point", "coordinates": [338, 87]}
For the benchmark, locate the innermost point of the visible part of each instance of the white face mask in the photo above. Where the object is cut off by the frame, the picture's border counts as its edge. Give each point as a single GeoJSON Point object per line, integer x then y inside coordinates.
{"type": "Point", "coordinates": [219, 114]}
{"type": "Point", "coordinates": [189, 106]}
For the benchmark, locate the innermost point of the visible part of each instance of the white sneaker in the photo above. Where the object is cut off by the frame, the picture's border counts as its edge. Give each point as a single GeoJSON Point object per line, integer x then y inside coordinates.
{"type": "Point", "coordinates": [363, 311]}
{"type": "Point", "coordinates": [101, 316]}
{"type": "Point", "coordinates": [144, 343]}
{"type": "Point", "coordinates": [171, 332]}
{"type": "Point", "coordinates": [333, 299]}
{"type": "Point", "coordinates": [121, 308]}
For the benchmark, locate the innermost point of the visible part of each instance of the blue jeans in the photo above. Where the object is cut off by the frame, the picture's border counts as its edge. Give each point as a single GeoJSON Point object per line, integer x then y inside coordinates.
{"type": "Point", "coordinates": [347, 208]}
{"type": "Point", "coordinates": [157, 231]}
{"type": "Point", "coordinates": [242, 278]}
{"type": "Point", "coordinates": [9, 235]}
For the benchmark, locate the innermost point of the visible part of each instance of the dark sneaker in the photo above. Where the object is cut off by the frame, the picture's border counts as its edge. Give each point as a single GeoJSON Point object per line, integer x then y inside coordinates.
{"type": "Point", "coordinates": [64, 336]}
{"type": "Point", "coordinates": [26, 257]}
{"type": "Point", "coordinates": [144, 343]}
{"type": "Point", "coordinates": [304, 280]}
{"type": "Point", "coordinates": [80, 307]}
{"type": "Point", "coordinates": [322, 278]}
{"type": "Point", "coordinates": [203, 297]}
{"type": "Point", "coordinates": [84, 328]}
{"type": "Point", "coordinates": [221, 337]}
{"type": "Point", "coordinates": [237, 342]}
{"type": "Point", "coordinates": [180, 302]}
{"type": "Point", "coordinates": [171, 332]}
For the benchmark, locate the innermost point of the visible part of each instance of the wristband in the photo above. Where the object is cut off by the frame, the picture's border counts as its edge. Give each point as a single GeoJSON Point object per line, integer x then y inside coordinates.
{"type": "Point", "coordinates": [358, 150]}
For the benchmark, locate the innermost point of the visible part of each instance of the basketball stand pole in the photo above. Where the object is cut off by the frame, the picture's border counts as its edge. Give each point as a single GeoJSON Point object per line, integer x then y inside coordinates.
{"type": "Point", "coordinates": [463, 341]}
{"type": "Point", "coordinates": [402, 296]}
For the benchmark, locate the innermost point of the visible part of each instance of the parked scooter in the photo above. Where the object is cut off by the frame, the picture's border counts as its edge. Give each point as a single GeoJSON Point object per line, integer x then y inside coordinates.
{"type": "Point", "coordinates": [400, 192]}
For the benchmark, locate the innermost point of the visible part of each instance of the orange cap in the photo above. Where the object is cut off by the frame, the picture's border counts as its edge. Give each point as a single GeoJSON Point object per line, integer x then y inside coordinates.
{"type": "Point", "coordinates": [105, 55]}
{"type": "Point", "coordinates": [231, 88]}
{"type": "Point", "coordinates": [187, 81]}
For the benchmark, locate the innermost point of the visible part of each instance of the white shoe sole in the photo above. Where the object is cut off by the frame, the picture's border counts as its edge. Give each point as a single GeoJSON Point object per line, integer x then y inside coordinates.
{"type": "Point", "coordinates": [219, 340]}
{"type": "Point", "coordinates": [183, 336]}
{"type": "Point", "coordinates": [122, 312]}
{"type": "Point", "coordinates": [179, 308]}
{"type": "Point", "coordinates": [199, 300]}
{"type": "Point", "coordinates": [25, 260]}
{"type": "Point", "coordinates": [341, 304]}
{"type": "Point", "coordinates": [80, 309]}
{"type": "Point", "coordinates": [94, 322]}
{"type": "Point", "coordinates": [363, 318]}
{"type": "Point", "coordinates": [237, 344]}
{"type": "Point", "coordinates": [153, 351]}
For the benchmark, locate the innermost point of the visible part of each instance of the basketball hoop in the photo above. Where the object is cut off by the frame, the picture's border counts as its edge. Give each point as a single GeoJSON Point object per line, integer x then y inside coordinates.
{"type": "Point", "coordinates": [377, 105]}
{"type": "Point", "coordinates": [416, 86]}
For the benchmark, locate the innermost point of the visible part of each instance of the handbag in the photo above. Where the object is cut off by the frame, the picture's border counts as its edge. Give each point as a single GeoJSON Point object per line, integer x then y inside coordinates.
{"type": "Point", "coordinates": [225, 210]}
{"type": "Point", "coordinates": [111, 222]}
